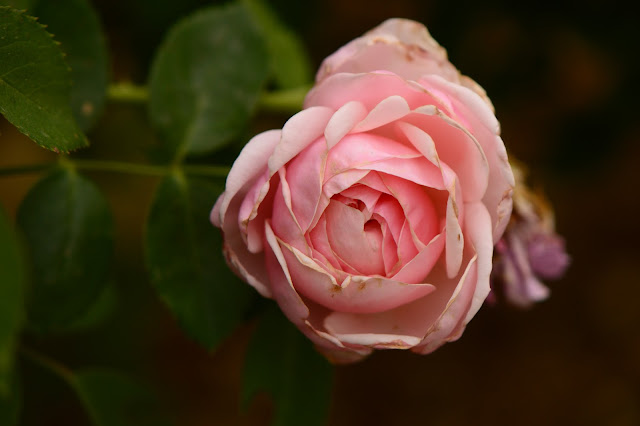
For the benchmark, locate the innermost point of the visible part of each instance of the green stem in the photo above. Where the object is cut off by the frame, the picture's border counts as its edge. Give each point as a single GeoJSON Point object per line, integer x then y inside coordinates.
{"type": "Point", "coordinates": [121, 167]}
{"type": "Point", "coordinates": [289, 100]}
{"type": "Point", "coordinates": [202, 170]}
{"type": "Point", "coordinates": [49, 364]}
{"type": "Point", "coordinates": [31, 168]}
{"type": "Point", "coordinates": [127, 92]}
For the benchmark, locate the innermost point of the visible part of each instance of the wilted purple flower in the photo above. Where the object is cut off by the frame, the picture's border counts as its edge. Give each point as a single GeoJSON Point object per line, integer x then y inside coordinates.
{"type": "Point", "coordinates": [529, 250]}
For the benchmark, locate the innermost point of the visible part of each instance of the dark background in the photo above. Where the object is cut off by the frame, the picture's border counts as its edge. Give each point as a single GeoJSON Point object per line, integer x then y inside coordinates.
{"type": "Point", "coordinates": [564, 79]}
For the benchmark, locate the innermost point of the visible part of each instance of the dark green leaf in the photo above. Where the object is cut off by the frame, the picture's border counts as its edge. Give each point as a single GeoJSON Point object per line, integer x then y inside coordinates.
{"type": "Point", "coordinates": [184, 255]}
{"type": "Point", "coordinates": [206, 78]}
{"type": "Point", "coordinates": [75, 25]}
{"type": "Point", "coordinates": [12, 282]}
{"type": "Point", "coordinates": [17, 4]}
{"type": "Point", "coordinates": [11, 403]}
{"type": "Point", "coordinates": [282, 362]}
{"type": "Point", "coordinates": [112, 399]}
{"type": "Point", "coordinates": [97, 313]}
{"type": "Point", "coordinates": [35, 83]}
{"type": "Point", "coordinates": [69, 230]}
{"type": "Point", "coordinates": [288, 58]}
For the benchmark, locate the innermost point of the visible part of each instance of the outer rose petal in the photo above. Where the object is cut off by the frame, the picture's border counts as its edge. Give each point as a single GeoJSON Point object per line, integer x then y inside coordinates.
{"type": "Point", "coordinates": [295, 308]}
{"type": "Point", "coordinates": [401, 46]}
{"type": "Point", "coordinates": [484, 125]}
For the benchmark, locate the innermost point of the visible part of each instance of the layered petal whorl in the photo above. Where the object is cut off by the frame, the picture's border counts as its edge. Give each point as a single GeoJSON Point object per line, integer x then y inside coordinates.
{"type": "Point", "coordinates": [372, 215]}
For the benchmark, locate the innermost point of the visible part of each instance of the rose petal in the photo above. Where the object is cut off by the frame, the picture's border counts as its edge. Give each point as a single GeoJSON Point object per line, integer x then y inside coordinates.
{"type": "Point", "coordinates": [288, 299]}
{"type": "Point", "coordinates": [298, 133]}
{"type": "Point", "coordinates": [418, 268]}
{"type": "Point", "coordinates": [360, 294]}
{"type": "Point", "coordinates": [455, 147]}
{"type": "Point", "coordinates": [362, 150]}
{"type": "Point", "coordinates": [343, 121]}
{"type": "Point", "coordinates": [388, 110]}
{"type": "Point", "coordinates": [305, 174]}
{"type": "Point", "coordinates": [477, 228]}
{"type": "Point", "coordinates": [450, 324]}
{"type": "Point", "coordinates": [417, 206]}
{"type": "Point", "coordinates": [283, 220]}
{"type": "Point", "coordinates": [352, 241]}
{"type": "Point", "coordinates": [455, 240]}
{"type": "Point", "coordinates": [339, 89]}
{"type": "Point", "coordinates": [251, 162]}
{"type": "Point", "coordinates": [399, 45]}
{"type": "Point", "coordinates": [484, 126]}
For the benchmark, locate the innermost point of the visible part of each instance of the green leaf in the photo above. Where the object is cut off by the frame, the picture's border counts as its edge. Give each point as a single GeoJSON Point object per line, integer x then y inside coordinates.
{"type": "Point", "coordinates": [11, 403]}
{"type": "Point", "coordinates": [69, 232]}
{"type": "Point", "coordinates": [35, 83]}
{"type": "Point", "coordinates": [75, 25]}
{"type": "Point", "coordinates": [98, 312]}
{"type": "Point", "coordinates": [12, 283]}
{"type": "Point", "coordinates": [17, 4]}
{"type": "Point", "coordinates": [282, 362]}
{"type": "Point", "coordinates": [206, 79]}
{"type": "Point", "coordinates": [184, 256]}
{"type": "Point", "coordinates": [288, 59]}
{"type": "Point", "coordinates": [113, 399]}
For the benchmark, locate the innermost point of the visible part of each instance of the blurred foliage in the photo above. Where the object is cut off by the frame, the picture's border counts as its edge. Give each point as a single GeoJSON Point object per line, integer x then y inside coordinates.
{"type": "Point", "coordinates": [563, 79]}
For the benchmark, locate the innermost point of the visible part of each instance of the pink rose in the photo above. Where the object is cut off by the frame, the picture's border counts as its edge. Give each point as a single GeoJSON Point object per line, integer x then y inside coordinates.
{"type": "Point", "coordinates": [371, 216]}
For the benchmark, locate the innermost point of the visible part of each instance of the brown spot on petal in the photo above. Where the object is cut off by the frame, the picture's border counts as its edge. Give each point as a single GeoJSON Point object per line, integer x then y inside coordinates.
{"type": "Point", "coordinates": [362, 286]}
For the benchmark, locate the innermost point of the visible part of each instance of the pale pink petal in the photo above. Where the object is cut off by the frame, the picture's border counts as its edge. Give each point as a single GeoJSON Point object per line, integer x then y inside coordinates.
{"type": "Point", "coordinates": [305, 174]}
{"type": "Point", "coordinates": [363, 193]}
{"type": "Point", "coordinates": [484, 126]}
{"type": "Point", "coordinates": [455, 240]}
{"type": "Point", "coordinates": [389, 249]}
{"type": "Point", "coordinates": [333, 186]}
{"type": "Point", "coordinates": [399, 45]}
{"type": "Point", "coordinates": [352, 241]}
{"type": "Point", "coordinates": [421, 141]}
{"type": "Point", "coordinates": [418, 268]}
{"type": "Point", "coordinates": [249, 266]}
{"type": "Point", "coordinates": [417, 206]}
{"type": "Point", "coordinates": [417, 170]}
{"type": "Point", "coordinates": [283, 221]}
{"type": "Point", "coordinates": [251, 227]}
{"type": "Point", "coordinates": [360, 294]}
{"type": "Point", "coordinates": [450, 323]}
{"type": "Point", "coordinates": [387, 111]}
{"type": "Point", "coordinates": [339, 89]}
{"type": "Point", "coordinates": [343, 121]}
{"type": "Point", "coordinates": [391, 212]}
{"type": "Point", "coordinates": [298, 133]}
{"type": "Point", "coordinates": [477, 228]}
{"type": "Point", "coordinates": [251, 162]}
{"type": "Point", "coordinates": [456, 147]}
{"type": "Point", "coordinates": [407, 249]}
{"type": "Point", "coordinates": [360, 150]}
{"type": "Point", "coordinates": [288, 299]}
{"type": "Point", "coordinates": [320, 242]}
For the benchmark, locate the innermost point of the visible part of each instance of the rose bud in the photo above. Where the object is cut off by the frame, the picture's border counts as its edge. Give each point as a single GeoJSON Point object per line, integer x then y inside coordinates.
{"type": "Point", "coordinates": [530, 249]}
{"type": "Point", "coordinates": [371, 216]}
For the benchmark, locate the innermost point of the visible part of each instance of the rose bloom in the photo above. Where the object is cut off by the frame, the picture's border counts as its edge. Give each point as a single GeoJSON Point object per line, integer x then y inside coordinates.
{"type": "Point", "coordinates": [371, 216]}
